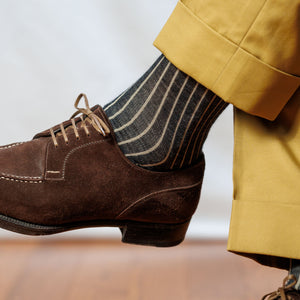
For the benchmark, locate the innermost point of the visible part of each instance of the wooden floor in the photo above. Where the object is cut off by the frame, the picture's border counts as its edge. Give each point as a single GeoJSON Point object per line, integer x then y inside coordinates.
{"type": "Point", "coordinates": [71, 269]}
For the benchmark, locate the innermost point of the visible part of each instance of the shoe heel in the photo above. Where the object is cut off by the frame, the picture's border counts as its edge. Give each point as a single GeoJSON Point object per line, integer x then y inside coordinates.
{"type": "Point", "coordinates": [151, 234]}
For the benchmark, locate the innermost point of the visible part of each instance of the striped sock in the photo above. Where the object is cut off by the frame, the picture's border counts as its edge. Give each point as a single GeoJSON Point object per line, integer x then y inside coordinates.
{"type": "Point", "coordinates": [295, 270]}
{"type": "Point", "coordinates": [162, 121]}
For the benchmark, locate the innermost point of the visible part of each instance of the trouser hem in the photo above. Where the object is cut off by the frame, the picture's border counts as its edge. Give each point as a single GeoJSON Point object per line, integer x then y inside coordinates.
{"type": "Point", "coordinates": [234, 74]}
{"type": "Point", "coordinates": [265, 231]}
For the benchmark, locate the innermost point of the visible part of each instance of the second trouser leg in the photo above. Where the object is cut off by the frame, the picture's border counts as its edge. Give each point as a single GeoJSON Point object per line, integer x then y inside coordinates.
{"type": "Point", "coordinates": [266, 205]}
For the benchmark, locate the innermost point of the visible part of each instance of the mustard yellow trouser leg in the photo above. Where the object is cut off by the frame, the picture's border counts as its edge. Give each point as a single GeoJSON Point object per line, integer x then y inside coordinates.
{"type": "Point", "coordinates": [248, 53]}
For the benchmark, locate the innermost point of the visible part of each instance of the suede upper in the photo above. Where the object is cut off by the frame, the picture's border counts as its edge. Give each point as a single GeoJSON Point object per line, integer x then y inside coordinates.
{"type": "Point", "coordinates": [89, 178]}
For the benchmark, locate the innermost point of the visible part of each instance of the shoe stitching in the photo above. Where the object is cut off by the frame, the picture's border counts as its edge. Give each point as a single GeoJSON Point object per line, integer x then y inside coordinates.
{"type": "Point", "coordinates": [12, 145]}
{"type": "Point", "coordinates": [157, 193]}
{"type": "Point", "coordinates": [21, 177]}
{"type": "Point", "coordinates": [75, 149]}
{"type": "Point", "coordinates": [19, 180]}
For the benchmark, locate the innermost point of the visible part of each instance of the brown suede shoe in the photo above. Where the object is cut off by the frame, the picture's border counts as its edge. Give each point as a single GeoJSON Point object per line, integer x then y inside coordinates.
{"type": "Point", "coordinates": [286, 292]}
{"type": "Point", "coordinates": [74, 176]}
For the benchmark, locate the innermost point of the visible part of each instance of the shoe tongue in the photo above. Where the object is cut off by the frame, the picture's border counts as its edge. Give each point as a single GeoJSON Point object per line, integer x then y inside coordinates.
{"type": "Point", "coordinates": [97, 110]}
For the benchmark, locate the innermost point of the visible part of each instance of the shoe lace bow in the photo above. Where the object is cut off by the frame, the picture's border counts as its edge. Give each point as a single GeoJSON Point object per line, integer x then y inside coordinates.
{"type": "Point", "coordinates": [288, 286]}
{"type": "Point", "coordinates": [87, 115]}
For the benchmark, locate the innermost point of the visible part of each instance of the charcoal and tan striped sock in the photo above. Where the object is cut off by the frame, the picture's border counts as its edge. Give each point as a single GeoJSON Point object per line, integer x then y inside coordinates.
{"type": "Point", "coordinates": [295, 270]}
{"type": "Point", "coordinates": [162, 121]}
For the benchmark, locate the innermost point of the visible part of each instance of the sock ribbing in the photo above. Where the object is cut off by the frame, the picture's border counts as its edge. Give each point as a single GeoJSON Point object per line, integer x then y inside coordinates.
{"type": "Point", "coordinates": [162, 121]}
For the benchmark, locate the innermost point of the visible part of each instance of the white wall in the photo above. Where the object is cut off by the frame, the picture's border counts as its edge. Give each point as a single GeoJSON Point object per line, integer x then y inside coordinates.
{"type": "Point", "coordinates": [52, 50]}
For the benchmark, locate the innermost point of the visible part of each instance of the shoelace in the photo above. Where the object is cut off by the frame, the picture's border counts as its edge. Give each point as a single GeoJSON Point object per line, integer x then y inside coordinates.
{"type": "Point", "coordinates": [281, 293]}
{"type": "Point", "coordinates": [87, 115]}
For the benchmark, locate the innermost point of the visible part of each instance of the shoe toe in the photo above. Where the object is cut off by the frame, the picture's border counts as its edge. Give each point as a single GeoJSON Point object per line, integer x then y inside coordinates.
{"type": "Point", "coordinates": [23, 161]}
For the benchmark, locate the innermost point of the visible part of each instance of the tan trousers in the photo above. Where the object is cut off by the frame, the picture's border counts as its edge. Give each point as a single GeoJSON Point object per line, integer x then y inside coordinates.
{"type": "Point", "coordinates": [248, 53]}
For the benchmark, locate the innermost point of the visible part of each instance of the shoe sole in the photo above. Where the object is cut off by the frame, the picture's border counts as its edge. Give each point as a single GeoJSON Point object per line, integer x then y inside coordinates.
{"type": "Point", "coordinates": [133, 232]}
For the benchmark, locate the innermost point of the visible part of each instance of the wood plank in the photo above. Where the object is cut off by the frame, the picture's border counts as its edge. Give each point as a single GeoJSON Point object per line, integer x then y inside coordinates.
{"type": "Point", "coordinates": [84, 269]}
